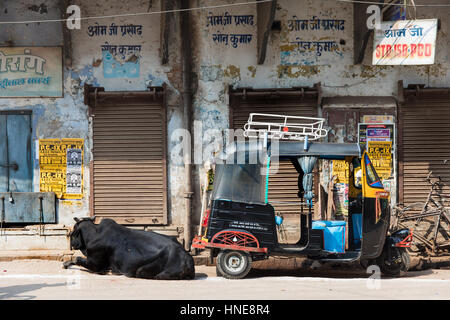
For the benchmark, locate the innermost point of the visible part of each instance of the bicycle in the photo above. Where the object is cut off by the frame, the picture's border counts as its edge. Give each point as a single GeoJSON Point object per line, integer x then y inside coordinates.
{"type": "Point", "coordinates": [434, 206]}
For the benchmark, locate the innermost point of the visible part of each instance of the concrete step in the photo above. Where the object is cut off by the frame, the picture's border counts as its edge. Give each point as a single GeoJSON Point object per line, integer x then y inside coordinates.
{"type": "Point", "coordinates": [58, 255]}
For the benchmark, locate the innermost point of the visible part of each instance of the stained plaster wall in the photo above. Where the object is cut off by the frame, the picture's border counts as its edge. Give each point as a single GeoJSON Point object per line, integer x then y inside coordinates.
{"type": "Point", "coordinates": [89, 64]}
{"type": "Point", "coordinates": [285, 67]}
{"type": "Point", "coordinates": [216, 66]}
{"type": "Point", "coordinates": [67, 117]}
{"type": "Point", "coordinates": [51, 117]}
{"type": "Point", "coordinates": [219, 64]}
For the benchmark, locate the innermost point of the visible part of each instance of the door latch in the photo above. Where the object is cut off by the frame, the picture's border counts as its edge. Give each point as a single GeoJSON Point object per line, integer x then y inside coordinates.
{"type": "Point", "coordinates": [15, 166]}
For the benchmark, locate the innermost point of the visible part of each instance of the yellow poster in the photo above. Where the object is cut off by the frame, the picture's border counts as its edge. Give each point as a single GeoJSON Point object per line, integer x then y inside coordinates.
{"type": "Point", "coordinates": [61, 167]}
{"type": "Point", "coordinates": [340, 195]}
{"type": "Point", "coordinates": [341, 171]}
{"type": "Point", "coordinates": [380, 153]}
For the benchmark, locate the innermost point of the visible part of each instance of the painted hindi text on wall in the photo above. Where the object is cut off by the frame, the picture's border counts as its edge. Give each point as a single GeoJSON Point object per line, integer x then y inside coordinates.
{"type": "Point", "coordinates": [31, 72]}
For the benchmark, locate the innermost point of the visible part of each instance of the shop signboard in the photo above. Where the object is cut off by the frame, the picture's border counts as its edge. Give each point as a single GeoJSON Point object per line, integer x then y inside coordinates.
{"type": "Point", "coordinates": [405, 42]}
{"type": "Point", "coordinates": [31, 72]}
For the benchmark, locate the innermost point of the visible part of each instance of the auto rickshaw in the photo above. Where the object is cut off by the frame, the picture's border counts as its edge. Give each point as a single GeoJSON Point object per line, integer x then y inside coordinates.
{"type": "Point", "coordinates": [241, 226]}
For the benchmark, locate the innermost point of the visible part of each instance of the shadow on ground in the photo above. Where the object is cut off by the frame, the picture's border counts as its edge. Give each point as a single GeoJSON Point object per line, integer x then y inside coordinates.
{"type": "Point", "coordinates": [14, 292]}
{"type": "Point", "coordinates": [327, 273]}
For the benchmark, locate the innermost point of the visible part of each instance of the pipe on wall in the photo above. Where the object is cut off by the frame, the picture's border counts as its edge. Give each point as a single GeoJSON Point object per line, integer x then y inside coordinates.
{"type": "Point", "coordinates": [186, 62]}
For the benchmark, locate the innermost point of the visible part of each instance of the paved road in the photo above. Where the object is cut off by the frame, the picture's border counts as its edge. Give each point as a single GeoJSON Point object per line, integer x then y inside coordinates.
{"type": "Point", "coordinates": [38, 279]}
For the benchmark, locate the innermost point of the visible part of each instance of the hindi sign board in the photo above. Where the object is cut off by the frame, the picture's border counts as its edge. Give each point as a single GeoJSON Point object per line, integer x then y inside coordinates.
{"type": "Point", "coordinates": [405, 42]}
{"type": "Point", "coordinates": [31, 72]}
{"type": "Point", "coordinates": [61, 167]}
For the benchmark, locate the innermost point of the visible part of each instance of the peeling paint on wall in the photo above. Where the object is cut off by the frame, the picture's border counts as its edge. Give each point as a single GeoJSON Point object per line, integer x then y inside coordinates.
{"type": "Point", "coordinates": [217, 66]}
{"type": "Point", "coordinates": [232, 71]}
{"type": "Point", "coordinates": [252, 70]}
{"type": "Point", "coordinates": [297, 71]}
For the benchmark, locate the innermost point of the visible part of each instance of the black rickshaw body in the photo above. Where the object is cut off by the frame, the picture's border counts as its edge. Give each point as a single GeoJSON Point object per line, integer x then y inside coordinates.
{"type": "Point", "coordinates": [242, 219]}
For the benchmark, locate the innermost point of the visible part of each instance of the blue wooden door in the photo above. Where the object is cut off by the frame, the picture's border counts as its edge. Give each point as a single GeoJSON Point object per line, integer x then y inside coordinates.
{"type": "Point", "coordinates": [4, 170]}
{"type": "Point", "coordinates": [15, 152]}
{"type": "Point", "coordinates": [19, 203]}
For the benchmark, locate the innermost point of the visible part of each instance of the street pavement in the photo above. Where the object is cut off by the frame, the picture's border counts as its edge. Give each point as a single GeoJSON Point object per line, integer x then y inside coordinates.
{"type": "Point", "coordinates": [47, 280]}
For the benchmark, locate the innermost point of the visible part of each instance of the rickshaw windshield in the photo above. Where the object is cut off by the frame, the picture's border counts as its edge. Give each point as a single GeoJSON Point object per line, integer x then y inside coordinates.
{"type": "Point", "coordinates": [239, 183]}
{"type": "Point", "coordinates": [372, 177]}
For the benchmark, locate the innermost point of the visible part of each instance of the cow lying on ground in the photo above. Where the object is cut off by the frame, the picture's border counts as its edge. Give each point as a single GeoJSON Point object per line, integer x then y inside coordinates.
{"type": "Point", "coordinates": [109, 246]}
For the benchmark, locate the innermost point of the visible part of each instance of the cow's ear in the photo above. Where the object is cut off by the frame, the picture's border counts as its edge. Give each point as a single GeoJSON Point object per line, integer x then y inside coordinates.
{"type": "Point", "coordinates": [76, 219]}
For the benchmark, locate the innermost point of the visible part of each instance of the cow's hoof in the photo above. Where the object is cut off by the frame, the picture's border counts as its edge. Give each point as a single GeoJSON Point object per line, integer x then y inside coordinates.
{"type": "Point", "coordinates": [67, 264]}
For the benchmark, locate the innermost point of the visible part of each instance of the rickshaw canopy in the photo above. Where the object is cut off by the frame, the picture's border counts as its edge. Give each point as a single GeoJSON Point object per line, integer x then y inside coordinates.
{"type": "Point", "coordinates": [241, 176]}
{"type": "Point", "coordinates": [243, 152]}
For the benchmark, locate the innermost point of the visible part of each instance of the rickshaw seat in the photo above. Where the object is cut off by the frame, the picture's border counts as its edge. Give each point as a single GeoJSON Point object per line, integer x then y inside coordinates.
{"type": "Point", "coordinates": [333, 234]}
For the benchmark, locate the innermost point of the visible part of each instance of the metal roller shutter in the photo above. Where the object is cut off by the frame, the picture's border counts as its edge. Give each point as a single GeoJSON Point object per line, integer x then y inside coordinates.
{"type": "Point", "coordinates": [424, 137]}
{"type": "Point", "coordinates": [129, 160]}
{"type": "Point", "coordinates": [283, 186]}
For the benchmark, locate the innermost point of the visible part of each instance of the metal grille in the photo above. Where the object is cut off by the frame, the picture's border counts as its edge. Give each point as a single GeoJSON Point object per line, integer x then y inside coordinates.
{"type": "Point", "coordinates": [424, 137]}
{"type": "Point", "coordinates": [129, 165]}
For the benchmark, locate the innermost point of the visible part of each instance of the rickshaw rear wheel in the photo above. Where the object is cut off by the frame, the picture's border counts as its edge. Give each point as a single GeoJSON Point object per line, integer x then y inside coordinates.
{"type": "Point", "coordinates": [394, 262]}
{"type": "Point", "coordinates": [232, 264]}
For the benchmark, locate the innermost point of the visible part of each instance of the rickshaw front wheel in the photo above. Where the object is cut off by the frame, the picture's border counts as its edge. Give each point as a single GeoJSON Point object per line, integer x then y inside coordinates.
{"type": "Point", "coordinates": [394, 262]}
{"type": "Point", "coordinates": [232, 264]}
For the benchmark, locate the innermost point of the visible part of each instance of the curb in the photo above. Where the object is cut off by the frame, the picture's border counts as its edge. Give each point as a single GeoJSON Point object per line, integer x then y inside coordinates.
{"type": "Point", "coordinates": [56, 255]}
{"type": "Point", "coordinates": [417, 263]}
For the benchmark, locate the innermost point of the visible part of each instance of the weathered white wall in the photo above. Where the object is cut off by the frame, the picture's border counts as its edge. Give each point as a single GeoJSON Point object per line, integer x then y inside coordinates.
{"type": "Point", "coordinates": [88, 64]}
{"type": "Point", "coordinates": [67, 117]}
{"type": "Point", "coordinates": [286, 68]}
{"type": "Point", "coordinates": [216, 66]}
{"type": "Point", "coordinates": [52, 117]}
{"type": "Point", "coordinates": [219, 64]}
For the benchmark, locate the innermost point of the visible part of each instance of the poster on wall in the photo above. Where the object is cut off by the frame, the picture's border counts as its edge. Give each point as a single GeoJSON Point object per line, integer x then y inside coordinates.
{"type": "Point", "coordinates": [61, 167]}
{"type": "Point", "coordinates": [74, 171]}
{"type": "Point", "coordinates": [375, 132]}
{"type": "Point", "coordinates": [405, 42]}
{"type": "Point", "coordinates": [341, 170]}
{"type": "Point", "coordinates": [31, 72]}
{"type": "Point", "coordinates": [377, 119]}
{"type": "Point", "coordinates": [380, 153]}
{"type": "Point", "coordinates": [378, 139]}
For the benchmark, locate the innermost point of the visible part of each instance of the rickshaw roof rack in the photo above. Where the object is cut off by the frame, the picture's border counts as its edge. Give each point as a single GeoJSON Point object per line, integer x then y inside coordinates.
{"type": "Point", "coordinates": [282, 127]}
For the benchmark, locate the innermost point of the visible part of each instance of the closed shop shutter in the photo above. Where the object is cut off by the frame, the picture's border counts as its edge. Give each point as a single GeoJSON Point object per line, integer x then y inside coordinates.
{"type": "Point", "coordinates": [129, 159]}
{"type": "Point", "coordinates": [424, 138]}
{"type": "Point", "coordinates": [283, 186]}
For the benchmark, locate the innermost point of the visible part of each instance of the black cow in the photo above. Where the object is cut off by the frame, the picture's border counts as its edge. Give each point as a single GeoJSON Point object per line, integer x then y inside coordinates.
{"type": "Point", "coordinates": [109, 246]}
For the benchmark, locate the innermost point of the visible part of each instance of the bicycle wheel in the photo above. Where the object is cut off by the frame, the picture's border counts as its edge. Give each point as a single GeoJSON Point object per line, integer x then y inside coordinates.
{"type": "Point", "coordinates": [403, 219]}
